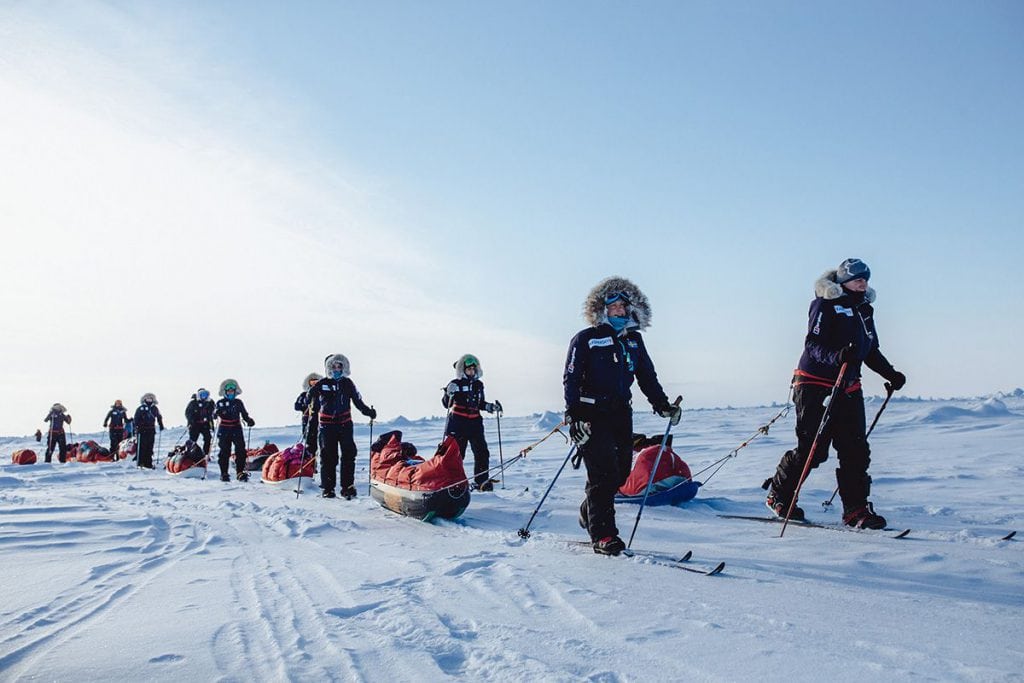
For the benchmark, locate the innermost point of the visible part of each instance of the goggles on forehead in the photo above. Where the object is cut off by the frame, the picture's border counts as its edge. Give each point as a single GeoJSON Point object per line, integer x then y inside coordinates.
{"type": "Point", "coordinates": [230, 387]}
{"type": "Point", "coordinates": [471, 362]}
{"type": "Point", "coordinates": [612, 297]}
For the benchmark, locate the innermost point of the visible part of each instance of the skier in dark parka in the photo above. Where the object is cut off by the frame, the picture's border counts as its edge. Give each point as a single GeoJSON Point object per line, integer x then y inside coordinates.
{"type": "Point", "coordinates": [330, 399]}
{"type": "Point", "coordinates": [56, 418]}
{"type": "Point", "coordinates": [115, 420]}
{"type": "Point", "coordinates": [199, 418]}
{"type": "Point", "coordinates": [464, 397]}
{"type": "Point", "coordinates": [310, 424]}
{"type": "Point", "coordinates": [599, 370]}
{"type": "Point", "coordinates": [841, 328]}
{"type": "Point", "coordinates": [147, 418]}
{"type": "Point", "coordinates": [231, 412]}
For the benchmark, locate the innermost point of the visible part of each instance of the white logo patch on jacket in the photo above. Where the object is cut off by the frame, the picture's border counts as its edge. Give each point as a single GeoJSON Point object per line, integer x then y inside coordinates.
{"type": "Point", "coordinates": [603, 341]}
{"type": "Point", "coordinates": [843, 310]}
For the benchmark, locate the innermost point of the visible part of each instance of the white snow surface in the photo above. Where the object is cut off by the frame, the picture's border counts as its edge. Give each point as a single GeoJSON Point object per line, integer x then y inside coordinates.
{"type": "Point", "coordinates": [113, 574]}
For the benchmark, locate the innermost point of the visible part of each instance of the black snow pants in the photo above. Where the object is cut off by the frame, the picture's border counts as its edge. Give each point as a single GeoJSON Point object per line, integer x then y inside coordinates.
{"type": "Point", "coordinates": [226, 438]}
{"type": "Point", "coordinates": [332, 438]}
{"type": "Point", "coordinates": [60, 441]}
{"type": "Point", "coordinates": [608, 456]}
{"type": "Point", "coordinates": [146, 439]}
{"type": "Point", "coordinates": [470, 431]}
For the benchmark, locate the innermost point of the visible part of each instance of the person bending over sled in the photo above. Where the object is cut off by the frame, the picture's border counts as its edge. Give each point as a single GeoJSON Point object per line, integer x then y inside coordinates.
{"type": "Point", "coordinates": [56, 437]}
{"type": "Point", "coordinates": [310, 424]}
{"type": "Point", "coordinates": [147, 417]}
{"type": "Point", "coordinates": [841, 329]}
{"type": "Point", "coordinates": [330, 400]}
{"type": "Point", "coordinates": [464, 399]}
{"type": "Point", "coordinates": [599, 371]}
{"type": "Point", "coordinates": [231, 412]}
{"type": "Point", "coordinates": [199, 418]}
{"type": "Point", "coordinates": [115, 419]}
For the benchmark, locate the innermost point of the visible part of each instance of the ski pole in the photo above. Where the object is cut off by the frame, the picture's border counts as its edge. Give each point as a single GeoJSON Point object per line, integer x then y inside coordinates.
{"type": "Point", "coordinates": [501, 455]}
{"type": "Point", "coordinates": [159, 442]}
{"type": "Point", "coordinates": [814, 445]}
{"type": "Point", "coordinates": [650, 480]}
{"type": "Point", "coordinates": [888, 395]}
{"type": "Point", "coordinates": [525, 531]}
{"type": "Point", "coordinates": [369, 463]}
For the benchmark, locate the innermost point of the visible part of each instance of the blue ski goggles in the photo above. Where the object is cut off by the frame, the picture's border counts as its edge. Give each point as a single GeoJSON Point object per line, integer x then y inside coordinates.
{"type": "Point", "coordinates": [612, 297]}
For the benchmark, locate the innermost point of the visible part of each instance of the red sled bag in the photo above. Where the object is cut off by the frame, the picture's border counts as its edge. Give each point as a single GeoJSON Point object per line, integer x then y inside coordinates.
{"type": "Point", "coordinates": [24, 456]}
{"type": "Point", "coordinates": [127, 449]}
{"type": "Point", "coordinates": [290, 463]}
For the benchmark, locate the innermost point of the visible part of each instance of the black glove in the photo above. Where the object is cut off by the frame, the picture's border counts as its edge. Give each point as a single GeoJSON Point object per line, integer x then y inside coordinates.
{"type": "Point", "coordinates": [670, 412]}
{"type": "Point", "coordinates": [371, 413]}
{"type": "Point", "coordinates": [579, 429]}
{"type": "Point", "coordinates": [897, 381]}
{"type": "Point", "coordinates": [498, 408]}
{"type": "Point", "coordinates": [161, 428]}
{"type": "Point", "coordinates": [848, 354]}
{"type": "Point", "coordinates": [249, 421]}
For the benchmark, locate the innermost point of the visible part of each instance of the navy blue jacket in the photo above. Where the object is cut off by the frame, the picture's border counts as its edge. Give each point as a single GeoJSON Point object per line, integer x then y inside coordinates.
{"type": "Point", "coordinates": [468, 397]}
{"type": "Point", "coordinates": [56, 420]}
{"type": "Point", "coordinates": [199, 413]}
{"type": "Point", "coordinates": [600, 368]}
{"type": "Point", "coordinates": [146, 419]}
{"type": "Point", "coordinates": [231, 412]}
{"type": "Point", "coordinates": [115, 417]}
{"type": "Point", "coordinates": [331, 400]}
{"type": "Point", "coordinates": [302, 402]}
{"type": "Point", "coordinates": [832, 325]}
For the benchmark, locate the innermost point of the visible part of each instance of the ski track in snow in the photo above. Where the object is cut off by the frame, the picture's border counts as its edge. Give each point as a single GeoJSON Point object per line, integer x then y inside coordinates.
{"type": "Point", "coordinates": [122, 574]}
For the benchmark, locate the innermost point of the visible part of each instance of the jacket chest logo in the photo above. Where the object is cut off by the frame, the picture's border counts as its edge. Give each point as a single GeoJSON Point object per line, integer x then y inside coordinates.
{"type": "Point", "coordinates": [603, 341]}
{"type": "Point", "coordinates": [843, 310]}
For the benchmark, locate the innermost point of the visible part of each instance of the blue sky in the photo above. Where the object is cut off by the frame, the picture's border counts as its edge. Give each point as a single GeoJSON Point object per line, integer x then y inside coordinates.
{"type": "Point", "coordinates": [404, 182]}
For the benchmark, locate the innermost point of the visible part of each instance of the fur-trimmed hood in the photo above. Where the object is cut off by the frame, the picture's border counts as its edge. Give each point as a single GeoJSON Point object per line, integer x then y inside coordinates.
{"type": "Point", "coordinates": [336, 358]}
{"type": "Point", "coordinates": [148, 395]}
{"type": "Point", "coordinates": [827, 288]}
{"type": "Point", "coordinates": [639, 308]}
{"type": "Point", "coordinates": [220, 389]}
{"type": "Point", "coordinates": [460, 367]}
{"type": "Point", "coordinates": [313, 376]}
{"type": "Point", "coordinates": [57, 407]}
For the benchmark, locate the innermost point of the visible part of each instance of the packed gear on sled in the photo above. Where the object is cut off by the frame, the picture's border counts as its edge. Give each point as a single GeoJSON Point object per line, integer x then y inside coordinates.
{"type": "Point", "coordinates": [255, 457]}
{"type": "Point", "coordinates": [403, 482]}
{"type": "Point", "coordinates": [672, 484]}
{"type": "Point", "coordinates": [186, 460]}
{"type": "Point", "coordinates": [90, 451]}
{"type": "Point", "coordinates": [127, 449]}
{"type": "Point", "coordinates": [285, 467]}
{"type": "Point", "coordinates": [23, 456]}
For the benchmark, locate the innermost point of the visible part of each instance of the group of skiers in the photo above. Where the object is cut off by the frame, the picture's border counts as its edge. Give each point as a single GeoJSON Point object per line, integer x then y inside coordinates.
{"type": "Point", "coordinates": [602, 363]}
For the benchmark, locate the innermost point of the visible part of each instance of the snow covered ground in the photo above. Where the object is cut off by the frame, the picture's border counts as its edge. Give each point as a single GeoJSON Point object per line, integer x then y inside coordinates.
{"type": "Point", "coordinates": [112, 573]}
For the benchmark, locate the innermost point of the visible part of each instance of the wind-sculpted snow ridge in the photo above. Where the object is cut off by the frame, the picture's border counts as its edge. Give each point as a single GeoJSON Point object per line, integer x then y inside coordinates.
{"type": "Point", "coordinates": [547, 421]}
{"type": "Point", "coordinates": [113, 573]}
{"type": "Point", "coordinates": [991, 407]}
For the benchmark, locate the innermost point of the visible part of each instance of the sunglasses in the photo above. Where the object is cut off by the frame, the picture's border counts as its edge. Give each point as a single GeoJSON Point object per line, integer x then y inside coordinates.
{"type": "Point", "coordinates": [612, 297]}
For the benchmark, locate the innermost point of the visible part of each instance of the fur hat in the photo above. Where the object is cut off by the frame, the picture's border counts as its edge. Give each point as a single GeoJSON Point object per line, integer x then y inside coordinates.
{"type": "Point", "coordinates": [827, 287]}
{"type": "Point", "coordinates": [336, 358]}
{"type": "Point", "coordinates": [148, 395]}
{"type": "Point", "coordinates": [58, 407]}
{"type": "Point", "coordinates": [594, 307]}
{"type": "Point", "coordinates": [311, 377]}
{"type": "Point", "coordinates": [460, 366]}
{"type": "Point", "coordinates": [238, 387]}
{"type": "Point", "coordinates": [117, 404]}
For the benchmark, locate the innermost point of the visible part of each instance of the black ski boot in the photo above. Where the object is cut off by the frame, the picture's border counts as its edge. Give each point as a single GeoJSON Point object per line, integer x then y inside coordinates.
{"type": "Point", "coordinates": [349, 492]}
{"type": "Point", "coordinates": [242, 476]}
{"type": "Point", "coordinates": [609, 545]}
{"type": "Point", "coordinates": [780, 507]}
{"type": "Point", "coordinates": [864, 517]}
{"type": "Point", "coordinates": [225, 477]}
{"type": "Point", "coordinates": [328, 493]}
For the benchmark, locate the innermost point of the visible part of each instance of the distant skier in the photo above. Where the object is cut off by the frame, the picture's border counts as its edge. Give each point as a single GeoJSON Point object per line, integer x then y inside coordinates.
{"type": "Point", "coordinates": [115, 420]}
{"type": "Point", "coordinates": [464, 398]}
{"type": "Point", "coordinates": [841, 328]}
{"type": "Point", "coordinates": [57, 417]}
{"type": "Point", "coordinates": [310, 425]}
{"type": "Point", "coordinates": [330, 400]}
{"type": "Point", "coordinates": [599, 371]}
{"type": "Point", "coordinates": [231, 412]}
{"type": "Point", "coordinates": [147, 418]}
{"type": "Point", "coordinates": [199, 418]}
